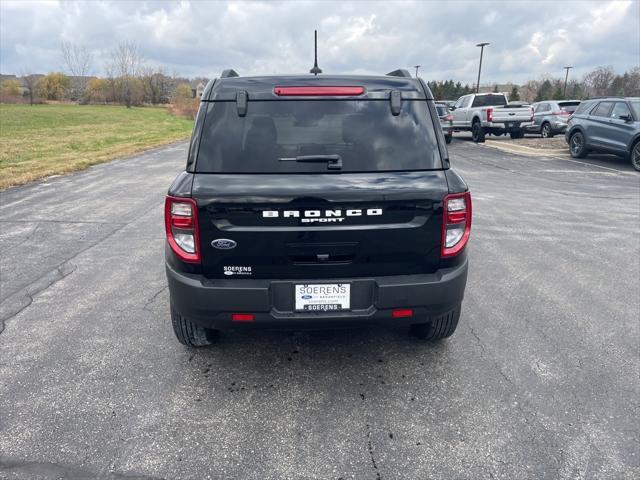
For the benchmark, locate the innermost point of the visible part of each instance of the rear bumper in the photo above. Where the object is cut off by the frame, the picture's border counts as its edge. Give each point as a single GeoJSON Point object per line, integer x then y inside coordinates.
{"type": "Point", "coordinates": [514, 125]}
{"type": "Point", "coordinates": [211, 302]}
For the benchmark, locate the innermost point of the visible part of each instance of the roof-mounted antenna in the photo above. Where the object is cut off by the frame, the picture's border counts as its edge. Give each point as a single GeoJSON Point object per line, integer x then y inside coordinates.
{"type": "Point", "coordinates": [315, 70]}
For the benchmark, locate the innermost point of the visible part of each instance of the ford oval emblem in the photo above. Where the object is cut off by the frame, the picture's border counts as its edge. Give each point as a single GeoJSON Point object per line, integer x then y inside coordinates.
{"type": "Point", "coordinates": [307, 297]}
{"type": "Point", "coordinates": [223, 244]}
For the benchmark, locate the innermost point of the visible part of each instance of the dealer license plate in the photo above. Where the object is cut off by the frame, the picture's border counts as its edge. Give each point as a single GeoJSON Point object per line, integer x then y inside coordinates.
{"type": "Point", "coordinates": [323, 297]}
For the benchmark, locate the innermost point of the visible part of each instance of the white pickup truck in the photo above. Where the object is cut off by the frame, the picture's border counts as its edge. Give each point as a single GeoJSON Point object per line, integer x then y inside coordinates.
{"type": "Point", "coordinates": [490, 113]}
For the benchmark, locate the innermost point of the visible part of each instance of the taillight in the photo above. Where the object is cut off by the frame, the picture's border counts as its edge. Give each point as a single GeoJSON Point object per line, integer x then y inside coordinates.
{"type": "Point", "coordinates": [181, 225]}
{"type": "Point", "coordinates": [489, 114]}
{"type": "Point", "coordinates": [323, 91]}
{"type": "Point", "coordinates": [456, 223]}
{"type": "Point", "coordinates": [448, 118]}
{"type": "Point", "coordinates": [560, 112]}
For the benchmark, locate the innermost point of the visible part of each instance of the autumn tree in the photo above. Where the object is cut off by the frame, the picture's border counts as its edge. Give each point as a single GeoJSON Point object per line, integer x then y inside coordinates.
{"type": "Point", "coordinates": [11, 88]}
{"type": "Point", "coordinates": [183, 91]}
{"type": "Point", "coordinates": [54, 86]}
{"type": "Point", "coordinates": [97, 90]}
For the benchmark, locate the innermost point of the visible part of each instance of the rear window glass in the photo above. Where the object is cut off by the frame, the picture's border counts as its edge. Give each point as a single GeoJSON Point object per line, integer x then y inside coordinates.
{"type": "Point", "coordinates": [568, 106]}
{"type": "Point", "coordinates": [442, 110]}
{"type": "Point", "coordinates": [490, 100]}
{"type": "Point", "coordinates": [273, 134]}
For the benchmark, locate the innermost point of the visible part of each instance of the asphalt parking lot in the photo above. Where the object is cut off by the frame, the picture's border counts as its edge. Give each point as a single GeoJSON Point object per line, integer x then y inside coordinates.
{"type": "Point", "coordinates": [539, 382]}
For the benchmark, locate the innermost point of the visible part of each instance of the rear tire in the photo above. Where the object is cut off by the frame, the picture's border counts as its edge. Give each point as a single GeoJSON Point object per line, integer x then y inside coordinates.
{"type": "Point", "coordinates": [546, 131]}
{"type": "Point", "coordinates": [577, 145]}
{"type": "Point", "coordinates": [477, 132]}
{"type": "Point", "coordinates": [439, 327]}
{"type": "Point", "coordinates": [189, 333]}
{"type": "Point", "coordinates": [448, 138]}
{"type": "Point", "coordinates": [634, 155]}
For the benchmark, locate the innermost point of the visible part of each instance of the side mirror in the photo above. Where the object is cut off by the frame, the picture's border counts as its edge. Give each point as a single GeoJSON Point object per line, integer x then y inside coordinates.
{"type": "Point", "coordinates": [626, 118]}
{"type": "Point", "coordinates": [451, 109]}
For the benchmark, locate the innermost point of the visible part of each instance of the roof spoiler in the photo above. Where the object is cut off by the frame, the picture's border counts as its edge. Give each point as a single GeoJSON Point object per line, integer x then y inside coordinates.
{"type": "Point", "coordinates": [401, 72]}
{"type": "Point", "coordinates": [229, 73]}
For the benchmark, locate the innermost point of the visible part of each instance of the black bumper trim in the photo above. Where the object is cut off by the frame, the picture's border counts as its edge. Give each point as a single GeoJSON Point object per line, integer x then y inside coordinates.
{"type": "Point", "coordinates": [211, 302]}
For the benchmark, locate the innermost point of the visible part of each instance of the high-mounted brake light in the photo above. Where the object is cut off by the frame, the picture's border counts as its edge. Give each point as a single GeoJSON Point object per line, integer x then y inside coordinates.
{"type": "Point", "coordinates": [181, 225]}
{"type": "Point", "coordinates": [490, 114]}
{"type": "Point", "coordinates": [456, 223]}
{"type": "Point", "coordinates": [321, 91]}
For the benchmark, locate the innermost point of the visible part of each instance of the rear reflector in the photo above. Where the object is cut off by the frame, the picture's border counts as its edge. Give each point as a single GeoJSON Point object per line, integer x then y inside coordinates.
{"type": "Point", "coordinates": [242, 317]}
{"type": "Point", "coordinates": [402, 313]}
{"type": "Point", "coordinates": [317, 91]}
{"type": "Point", "coordinates": [456, 223]}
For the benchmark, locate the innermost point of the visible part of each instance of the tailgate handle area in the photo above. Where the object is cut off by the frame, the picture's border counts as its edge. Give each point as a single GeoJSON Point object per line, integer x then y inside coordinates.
{"type": "Point", "coordinates": [322, 253]}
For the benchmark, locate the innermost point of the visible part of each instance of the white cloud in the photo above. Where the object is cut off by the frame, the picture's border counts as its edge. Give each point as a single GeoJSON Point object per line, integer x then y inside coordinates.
{"type": "Point", "coordinates": [202, 38]}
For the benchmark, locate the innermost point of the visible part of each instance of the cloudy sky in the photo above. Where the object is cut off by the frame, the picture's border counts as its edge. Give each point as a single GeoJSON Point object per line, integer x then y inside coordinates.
{"type": "Point", "coordinates": [528, 38]}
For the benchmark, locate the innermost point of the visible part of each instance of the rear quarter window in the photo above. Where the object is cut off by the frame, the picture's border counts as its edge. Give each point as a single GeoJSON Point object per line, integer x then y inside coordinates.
{"type": "Point", "coordinates": [364, 133]}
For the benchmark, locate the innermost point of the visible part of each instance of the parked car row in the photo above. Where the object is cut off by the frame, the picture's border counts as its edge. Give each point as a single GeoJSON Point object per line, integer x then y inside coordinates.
{"type": "Point", "coordinates": [608, 125]}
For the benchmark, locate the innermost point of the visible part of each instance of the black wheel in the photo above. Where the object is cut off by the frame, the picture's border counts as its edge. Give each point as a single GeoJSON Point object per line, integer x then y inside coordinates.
{"type": "Point", "coordinates": [477, 132]}
{"type": "Point", "coordinates": [438, 327]}
{"type": "Point", "coordinates": [546, 131]}
{"type": "Point", "coordinates": [448, 138]}
{"type": "Point", "coordinates": [635, 155]}
{"type": "Point", "coordinates": [189, 333]}
{"type": "Point", "coordinates": [577, 145]}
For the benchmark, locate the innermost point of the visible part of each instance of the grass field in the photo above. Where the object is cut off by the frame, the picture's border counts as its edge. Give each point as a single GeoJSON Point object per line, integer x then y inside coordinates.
{"type": "Point", "coordinates": [41, 140]}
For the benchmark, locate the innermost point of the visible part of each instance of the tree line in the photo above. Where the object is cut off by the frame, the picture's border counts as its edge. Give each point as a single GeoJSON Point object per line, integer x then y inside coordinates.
{"type": "Point", "coordinates": [128, 80]}
{"type": "Point", "coordinates": [601, 81]}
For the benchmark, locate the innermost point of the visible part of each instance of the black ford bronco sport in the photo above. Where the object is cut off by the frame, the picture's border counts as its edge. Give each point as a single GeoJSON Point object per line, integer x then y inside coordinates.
{"type": "Point", "coordinates": [310, 201]}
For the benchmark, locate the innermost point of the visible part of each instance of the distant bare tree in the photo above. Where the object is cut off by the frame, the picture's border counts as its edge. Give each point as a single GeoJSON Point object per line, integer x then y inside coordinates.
{"type": "Point", "coordinates": [126, 64]}
{"type": "Point", "coordinates": [154, 81]}
{"type": "Point", "coordinates": [598, 81]}
{"type": "Point", "coordinates": [30, 82]}
{"type": "Point", "coordinates": [78, 61]}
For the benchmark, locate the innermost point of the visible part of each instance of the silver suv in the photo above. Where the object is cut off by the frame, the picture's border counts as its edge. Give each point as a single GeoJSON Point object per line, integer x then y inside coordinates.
{"type": "Point", "coordinates": [550, 117]}
{"type": "Point", "coordinates": [610, 125]}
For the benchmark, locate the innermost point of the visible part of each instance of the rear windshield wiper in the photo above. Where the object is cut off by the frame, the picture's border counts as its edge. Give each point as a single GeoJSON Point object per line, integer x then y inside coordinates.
{"type": "Point", "coordinates": [334, 162]}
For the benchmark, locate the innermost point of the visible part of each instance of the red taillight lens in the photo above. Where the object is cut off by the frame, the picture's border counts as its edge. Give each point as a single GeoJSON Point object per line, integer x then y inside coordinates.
{"type": "Point", "coordinates": [489, 114]}
{"type": "Point", "coordinates": [324, 91]}
{"type": "Point", "coordinates": [448, 118]}
{"type": "Point", "coordinates": [456, 223]}
{"type": "Point", "coordinates": [402, 313]}
{"type": "Point", "coordinates": [242, 317]}
{"type": "Point", "coordinates": [181, 226]}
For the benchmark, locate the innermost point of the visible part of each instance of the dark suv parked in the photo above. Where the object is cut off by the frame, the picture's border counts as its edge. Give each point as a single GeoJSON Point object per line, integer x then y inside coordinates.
{"type": "Point", "coordinates": [316, 201]}
{"type": "Point", "coordinates": [610, 125]}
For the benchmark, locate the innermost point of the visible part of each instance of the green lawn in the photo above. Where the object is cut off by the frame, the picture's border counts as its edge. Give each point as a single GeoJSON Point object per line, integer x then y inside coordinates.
{"type": "Point", "coordinates": [41, 140]}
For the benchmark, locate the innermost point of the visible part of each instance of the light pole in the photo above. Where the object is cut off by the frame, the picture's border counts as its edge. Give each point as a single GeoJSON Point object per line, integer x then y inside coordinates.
{"type": "Point", "coordinates": [417, 67]}
{"type": "Point", "coordinates": [566, 77]}
{"type": "Point", "coordinates": [481, 45]}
